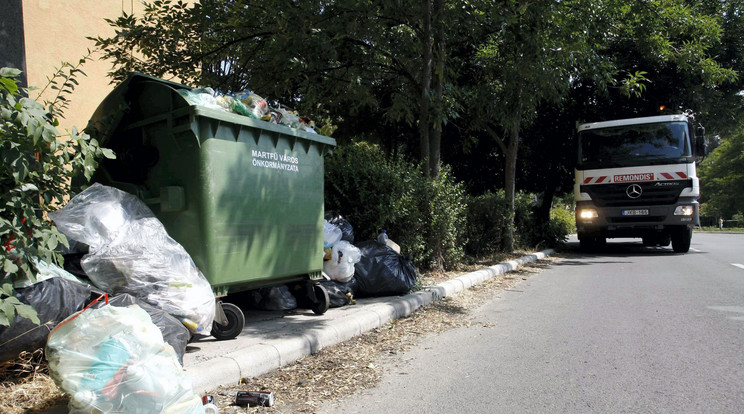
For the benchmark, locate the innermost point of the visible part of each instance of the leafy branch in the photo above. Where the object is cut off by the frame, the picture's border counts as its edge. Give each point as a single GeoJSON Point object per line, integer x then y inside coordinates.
{"type": "Point", "coordinates": [35, 178]}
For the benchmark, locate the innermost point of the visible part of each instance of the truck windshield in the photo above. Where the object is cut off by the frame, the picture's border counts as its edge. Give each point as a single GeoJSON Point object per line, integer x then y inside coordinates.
{"type": "Point", "coordinates": [630, 145]}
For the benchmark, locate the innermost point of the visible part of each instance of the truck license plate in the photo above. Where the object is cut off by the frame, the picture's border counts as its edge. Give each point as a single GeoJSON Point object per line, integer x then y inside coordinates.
{"type": "Point", "coordinates": [642, 212]}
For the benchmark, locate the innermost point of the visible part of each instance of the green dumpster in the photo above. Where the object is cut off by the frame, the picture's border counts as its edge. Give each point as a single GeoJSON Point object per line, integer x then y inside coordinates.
{"type": "Point", "coordinates": [243, 196]}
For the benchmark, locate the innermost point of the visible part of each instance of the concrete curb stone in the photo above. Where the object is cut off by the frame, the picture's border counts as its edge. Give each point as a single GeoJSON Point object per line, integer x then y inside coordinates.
{"type": "Point", "coordinates": [281, 349]}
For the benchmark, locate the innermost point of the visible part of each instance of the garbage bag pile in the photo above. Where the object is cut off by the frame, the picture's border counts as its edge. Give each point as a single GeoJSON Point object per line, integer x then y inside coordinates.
{"type": "Point", "coordinates": [248, 104]}
{"type": "Point", "coordinates": [370, 268]}
{"type": "Point", "coordinates": [114, 359]}
{"type": "Point", "coordinates": [130, 252]}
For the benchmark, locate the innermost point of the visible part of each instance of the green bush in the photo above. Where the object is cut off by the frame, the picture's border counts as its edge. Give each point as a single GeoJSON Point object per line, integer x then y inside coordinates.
{"type": "Point", "coordinates": [375, 192]}
{"type": "Point", "coordinates": [487, 218]}
{"type": "Point", "coordinates": [34, 179]}
{"type": "Point", "coordinates": [447, 225]}
{"type": "Point", "coordinates": [434, 221]}
{"type": "Point", "coordinates": [562, 223]}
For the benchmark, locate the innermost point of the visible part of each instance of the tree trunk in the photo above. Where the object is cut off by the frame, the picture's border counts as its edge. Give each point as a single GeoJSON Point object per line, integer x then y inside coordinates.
{"type": "Point", "coordinates": [424, 140]}
{"type": "Point", "coordinates": [438, 77]}
{"type": "Point", "coordinates": [543, 210]}
{"type": "Point", "coordinates": [510, 173]}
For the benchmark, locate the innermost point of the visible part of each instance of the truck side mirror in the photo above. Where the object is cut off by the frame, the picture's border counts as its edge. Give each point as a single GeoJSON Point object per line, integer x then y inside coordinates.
{"type": "Point", "coordinates": [701, 144]}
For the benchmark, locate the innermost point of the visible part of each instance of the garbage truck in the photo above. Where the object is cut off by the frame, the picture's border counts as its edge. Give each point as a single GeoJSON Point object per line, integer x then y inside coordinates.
{"type": "Point", "coordinates": [636, 178]}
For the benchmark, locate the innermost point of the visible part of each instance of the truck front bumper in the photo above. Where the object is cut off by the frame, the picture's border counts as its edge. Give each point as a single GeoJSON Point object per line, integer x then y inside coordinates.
{"type": "Point", "coordinates": [635, 221]}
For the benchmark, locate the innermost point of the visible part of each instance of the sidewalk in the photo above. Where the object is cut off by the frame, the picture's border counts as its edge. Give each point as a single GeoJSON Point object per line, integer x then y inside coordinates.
{"type": "Point", "coordinates": [274, 339]}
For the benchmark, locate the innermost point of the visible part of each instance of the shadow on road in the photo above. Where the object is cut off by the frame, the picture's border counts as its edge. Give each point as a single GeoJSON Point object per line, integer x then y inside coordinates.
{"type": "Point", "coordinates": [613, 249]}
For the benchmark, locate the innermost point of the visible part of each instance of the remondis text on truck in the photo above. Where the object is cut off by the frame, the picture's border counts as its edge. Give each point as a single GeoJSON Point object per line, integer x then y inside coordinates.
{"type": "Point", "coordinates": [637, 178]}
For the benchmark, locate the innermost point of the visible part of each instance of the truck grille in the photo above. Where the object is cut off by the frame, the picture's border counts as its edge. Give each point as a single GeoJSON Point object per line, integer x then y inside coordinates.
{"type": "Point", "coordinates": [653, 193]}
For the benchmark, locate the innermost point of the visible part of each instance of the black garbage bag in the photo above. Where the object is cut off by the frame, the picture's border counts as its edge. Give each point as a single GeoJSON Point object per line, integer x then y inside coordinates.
{"type": "Point", "coordinates": [73, 266]}
{"type": "Point", "coordinates": [340, 294]}
{"type": "Point", "coordinates": [174, 332]}
{"type": "Point", "coordinates": [54, 300]}
{"type": "Point", "coordinates": [272, 298]}
{"type": "Point", "coordinates": [382, 271]}
{"type": "Point", "coordinates": [347, 231]}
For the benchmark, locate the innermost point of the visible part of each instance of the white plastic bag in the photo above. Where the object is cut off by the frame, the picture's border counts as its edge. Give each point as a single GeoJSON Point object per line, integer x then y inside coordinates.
{"type": "Point", "coordinates": [114, 359]}
{"type": "Point", "coordinates": [131, 252]}
{"type": "Point", "coordinates": [343, 258]}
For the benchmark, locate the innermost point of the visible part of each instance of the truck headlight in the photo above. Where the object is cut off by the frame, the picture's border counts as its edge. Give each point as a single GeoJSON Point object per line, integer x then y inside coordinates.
{"type": "Point", "coordinates": [588, 214]}
{"type": "Point", "coordinates": [684, 211]}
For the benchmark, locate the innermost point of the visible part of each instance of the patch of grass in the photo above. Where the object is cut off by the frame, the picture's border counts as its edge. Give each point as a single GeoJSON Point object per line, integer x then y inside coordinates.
{"type": "Point", "coordinates": [724, 230]}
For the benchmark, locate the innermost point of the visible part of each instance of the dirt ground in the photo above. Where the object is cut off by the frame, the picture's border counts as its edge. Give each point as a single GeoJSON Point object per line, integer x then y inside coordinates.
{"type": "Point", "coordinates": [330, 374]}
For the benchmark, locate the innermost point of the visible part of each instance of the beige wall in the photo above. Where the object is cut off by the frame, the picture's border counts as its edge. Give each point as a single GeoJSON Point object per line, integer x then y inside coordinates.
{"type": "Point", "coordinates": [55, 32]}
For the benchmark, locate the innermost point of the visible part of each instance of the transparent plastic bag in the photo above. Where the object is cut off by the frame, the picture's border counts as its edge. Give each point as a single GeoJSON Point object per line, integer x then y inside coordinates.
{"type": "Point", "coordinates": [98, 214]}
{"type": "Point", "coordinates": [114, 359]}
{"type": "Point", "coordinates": [339, 221]}
{"type": "Point", "coordinates": [343, 258]}
{"type": "Point", "coordinates": [331, 234]}
{"type": "Point", "coordinates": [289, 118]}
{"type": "Point", "coordinates": [258, 105]}
{"type": "Point", "coordinates": [205, 97]}
{"type": "Point", "coordinates": [131, 252]}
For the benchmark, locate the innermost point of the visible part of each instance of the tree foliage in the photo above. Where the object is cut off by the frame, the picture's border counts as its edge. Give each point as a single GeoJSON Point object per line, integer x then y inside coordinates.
{"type": "Point", "coordinates": [722, 179]}
{"type": "Point", "coordinates": [38, 164]}
{"type": "Point", "coordinates": [479, 74]}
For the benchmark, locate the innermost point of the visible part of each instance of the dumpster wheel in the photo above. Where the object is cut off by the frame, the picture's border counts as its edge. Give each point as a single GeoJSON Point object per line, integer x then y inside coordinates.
{"type": "Point", "coordinates": [322, 300]}
{"type": "Point", "coordinates": [234, 325]}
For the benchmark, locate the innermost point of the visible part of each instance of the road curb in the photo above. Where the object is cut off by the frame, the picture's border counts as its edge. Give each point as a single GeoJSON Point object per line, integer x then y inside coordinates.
{"type": "Point", "coordinates": [274, 353]}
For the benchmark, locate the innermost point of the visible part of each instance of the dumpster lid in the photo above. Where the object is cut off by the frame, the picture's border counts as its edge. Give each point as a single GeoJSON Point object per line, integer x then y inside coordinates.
{"type": "Point", "coordinates": [118, 104]}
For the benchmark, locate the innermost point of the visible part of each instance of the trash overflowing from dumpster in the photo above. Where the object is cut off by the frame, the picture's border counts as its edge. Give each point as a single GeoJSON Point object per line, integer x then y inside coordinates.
{"type": "Point", "coordinates": [114, 359]}
{"type": "Point", "coordinates": [131, 252]}
{"type": "Point", "coordinates": [248, 104]}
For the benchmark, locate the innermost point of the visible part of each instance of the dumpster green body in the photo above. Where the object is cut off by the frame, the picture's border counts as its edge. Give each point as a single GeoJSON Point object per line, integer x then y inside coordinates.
{"type": "Point", "coordinates": [244, 197]}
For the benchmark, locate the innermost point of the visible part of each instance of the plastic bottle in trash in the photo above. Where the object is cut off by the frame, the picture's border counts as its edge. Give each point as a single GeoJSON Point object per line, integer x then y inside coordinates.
{"type": "Point", "coordinates": [83, 401]}
{"type": "Point", "coordinates": [383, 237]}
{"type": "Point", "coordinates": [145, 395]}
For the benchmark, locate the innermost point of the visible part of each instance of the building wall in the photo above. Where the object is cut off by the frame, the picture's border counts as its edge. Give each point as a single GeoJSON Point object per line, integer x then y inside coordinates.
{"type": "Point", "coordinates": [55, 31]}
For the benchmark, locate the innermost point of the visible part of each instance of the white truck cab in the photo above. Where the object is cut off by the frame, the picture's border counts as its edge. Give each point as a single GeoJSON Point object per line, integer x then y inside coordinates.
{"type": "Point", "coordinates": [637, 178]}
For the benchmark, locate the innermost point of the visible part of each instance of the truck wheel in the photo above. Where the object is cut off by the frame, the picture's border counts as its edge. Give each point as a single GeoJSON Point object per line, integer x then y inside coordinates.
{"type": "Point", "coordinates": [666, 240]}
{"type": "Point", "coordinates": [234, 326]}
{"type": "Point", "coordinates": [681, 240]}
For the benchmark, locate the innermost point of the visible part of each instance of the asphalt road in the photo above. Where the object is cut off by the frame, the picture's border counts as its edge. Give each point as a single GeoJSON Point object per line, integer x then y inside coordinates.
{"type": "Point", "coordinates": [626, 330]}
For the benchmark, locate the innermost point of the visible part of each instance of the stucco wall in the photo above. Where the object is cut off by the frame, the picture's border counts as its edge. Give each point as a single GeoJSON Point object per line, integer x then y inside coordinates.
{"type": "Point", "coordinates": [55, 31]}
